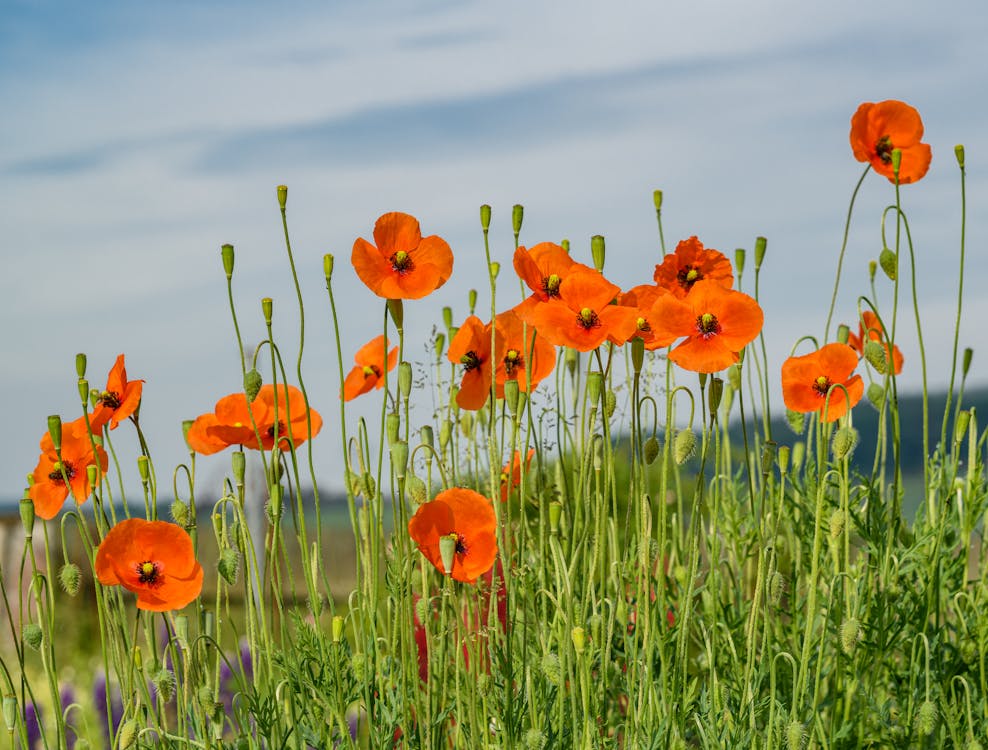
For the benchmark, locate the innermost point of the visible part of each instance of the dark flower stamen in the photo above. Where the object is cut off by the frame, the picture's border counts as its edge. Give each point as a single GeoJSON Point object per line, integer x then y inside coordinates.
{"type": "Point", "coordinates": [470, 360]}
{"type": "Point", "coordinates": [883, 149]}
{"type": "Point", "coordinates": [401, 262]}
{"type": "Point", "coordinates": [148, 573]}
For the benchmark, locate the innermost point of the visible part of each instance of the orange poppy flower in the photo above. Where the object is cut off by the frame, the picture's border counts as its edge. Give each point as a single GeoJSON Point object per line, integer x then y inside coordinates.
{"type": "Point", "coordinates": [118, 400]}
{"type": "Point", "coordinates": [691, 263]}
{"type": "Point", "coordinates": [718, 323]}
{"type": "Point", "coordinates": [468, 518]}
{"type": "Point", "coordinates": [526, 356]}
{"type": "Point", "coordinates": [642, 299]}
{"type": "Point", "coordinates": [48, 489]}
{"type": "Point", "coordinates": [583, 316]}
{"type": "Point", "coordinates": [230, 423]}
{"type": "Point", "coordinates": [370, 364]}
{"type": "Point", "coordinates": [875, 332]}
{"type": "Point", "coordinates": [154, 559]}
{"type": "Point", "coordinates": [806, 380]}
{"type": "Point", "coordinates": [404, 264]}
{"type": "Point", "coordinates": [877, 129]}
{"type": "Point", "coordinates": [471, 347]}
{"type": "Point", "coordinates": [511, 473]}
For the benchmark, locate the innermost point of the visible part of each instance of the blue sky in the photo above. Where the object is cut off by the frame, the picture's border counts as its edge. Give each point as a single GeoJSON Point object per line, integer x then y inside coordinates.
{"type": "Point", "coordinates": [136, 138]}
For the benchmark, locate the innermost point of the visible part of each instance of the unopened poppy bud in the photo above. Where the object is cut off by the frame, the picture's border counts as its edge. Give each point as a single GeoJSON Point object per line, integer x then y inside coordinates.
{"type": "Point", "coordinates": [739, 257]}
{"type": "Point", "coordinates": [595, 382]}
{"type": "Point", "coordinates": [795, 734]}
{"type": "Point", "coordinates": [399, 458]}
{"type": "Point", "coordinates": [485, 217]}
{"type": "Point", "coordinates": [960, 428]}
{"type": "Point", "coordinates": [838, 521]}
{"type": "Point", "coordinates": [555, 514]}
{"type": "Point", "coordinates": [552, 668]}
{"type": "Point", "coordinates": [969, 650]}
{"type": "Point", "coordinates": [798, 456]}
{"type": "Point", "coordinates": [392, 425]}
{"type": "Point", "coordinates": [926, 717]}
{"type": "Point", "coordinates": [564, 244]}
{"type": "Point", "coordinates": [517, 215]}
{"type": "Point", "coordinates": [227, 254]}
{"type": "Point", "coordinates": [466, 424]}
{"type": "Point", "coordinates": [534, 739]}
{"type": "Point", "coordinates": [447, 551]}
{"type": "Point", "coordinates": [966, 361]}
{"type": "Point", "coordinates": [143, 469]}
{"type": "Point", "coordinates": [10, 712]}
{"type": "Point", "coordinates": [959, 154]}
{"type": "Point", "coordinates": [650, 450]}
{"type": "Point", "coordinates": [229, 565]}
{"type": "Point", "coordinates": [715, 393]}
{"type": "Point", "coordinates": [68, 577]}
{"type": "Point", "coordinates": [796, 421]}
{"type": "Point", "coordinates": [396, 309]}
{"type": "Point", "coordinates": [127, 734]}
{"type": "Point", "coordinates": [843, 442]}
{"type": "Point", "coordinates": [760, 245]}
{"type": "Point", "coordinates": [876, 395]}
{"type": "Point", "coordinates": [850, 634]}
{"type": "Point", "coordinates": [445, 433]}
{"type": "Point", "coordinates": [776, 588]}
{"type": "Point", "coordinates": [637, 353]}
{"type": "Point", "coordinates": [328, 261]}
{"type": "Point", "coordinates": [511, 391]}
{"type": "Point", "coordinates": [282, 196]}
{"type": "Point", "coordinates": [768, 456]}
{"type": "Point", "coordinates": [889, 262]}
{"type": "Point", "coordinates": [180, 513]}
{"type": "Point", "coordinates": [872, 269]}
{"type": "Point", "coordinates": [416, 489]}
{"type": "Point", "coordinates": [55, 431]}
{"type": "Point", "coordinates": [267, 309]}
{"type": "Point", "coordinates": [843, 333]}
{"type": "Point", "coordinates": [896, 161]}
{"type": "Point", "coordinates": [164, 684]}
{"type": "Point", "coordinates": [875, 354]}
{"type": "Point", "coordinates": [472, 300]}
{"type": "Point", "coordinates": [404, 378]}
{"type": "Point", "coordinates": [33, 635]}
{"type": "Point", "coordinates": [597, 447]}
{"type": "Point", "coordinates": [657, 199]}
{"type": "Point", "coordinates": [92, 475]}
{"type": "Point", "coordinates": [27, 515]}
{"type": "Point", "coordinates": [252, 384]}
{"type": "Point", "coordinates": [783, 458]}
{"type": "Point", "coordinates": [972, 744]}
{"type": "Point", "coordinates": [579, 637]}
{"type": "Point", "coordinates": [610, 403]}
{"type": "Point", "coordinates": [597, 251]}
{"type": "Point", "coordinates": [684, 446]}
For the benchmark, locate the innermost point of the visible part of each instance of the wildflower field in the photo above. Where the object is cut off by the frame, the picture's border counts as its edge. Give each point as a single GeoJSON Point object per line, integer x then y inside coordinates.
{"type": "Point", "coordinates": [593, 536]}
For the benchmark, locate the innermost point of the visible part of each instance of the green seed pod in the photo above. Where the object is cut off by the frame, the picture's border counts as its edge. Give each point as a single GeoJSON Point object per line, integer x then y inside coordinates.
{"type": "Point", "coordinates": [715, 394]}
{"type": "Point", "coordinates": [485, 217]}
{"type": "Point", "coordinates": [144, 469]}
{"type": "Point", "coordinates": [26, 508]}
{"type": "Point", "coordinates": [850, 634]}
{"type": "Point", "coordinates": [328, 262]}
{"type": "Point", "coordinates": [637, 353]}
{"type": "Point", "coordinates": [796, 421]}
{"type": "Point", "coordinates": [229, 565]}
{"type": "Point", "coordinates": [595, 383]}
{"type": "Point", "coordinates": [739, 257]}
{"type": "Point", "coordinates": [564, 244]}
{"type": "Point", "coordinates": [896, 162]}
{"type": "Point", "coordinates": [795, 734]}
{"type": "Point", "coordinates": [511, 391]}
{"type": "Point", "coordinates": [127, 734]}
{"type": "Point", "coordinates": [336, 629]}
{"type": "Point", "coordinates": [164, 684]}
{"type": "Point", "coordinates": [517, 216]}
{"type": "Point", "coordinates": [282, 196]}
{"type": "Point", "coordinates": [843, 333]}
{"type": "Point", "coordinates": [10, 712]}
{"type": "Point", "coordinates": [572, 360]}
{"type": "Point", "coordinates": [267, 309]}
{"type": "Point", "coordinates": [960, 429]}
{"type": "Point", "coordinates": [843, 443]}
{"type": "Point", "coordinates": [650, 450]}
{"type": "Point", "coordinates": [33, 635]}
{"type": "Point", "coordinates": [926, 718]}
{"type": "Point", "coordinates": [684, 446]}
{"type": "Point", "coordinates": [768, 456]}
{"type": "Point", "coordinates": [252, 384]}
{"type": "Point", "coordinates": [889, 262]}
{"type": "Point", "coordinates": [959, 154]}
{"type": "Point", "coordinates": [273, 506]}
{"type": "Point", "coordinates": [610, 403]}
{"type": "Point", "coordinates": [776, 588]}
{"type": "Point", "coordinates": [445, 433]}
{"type": "Point", "coordinates": [399, 458]}
{"type": "Point", "coordinates": [552, 668]}
{"type": "Point", "coordinates": [579, 638]}
{"type": "Point", "coordinates": [760, 245]}
{"type": "Point", "coordinates": [83, 391]}
{"type": "Point", "coordinates": [555, 514]}
{"type": "Point", "coordinates": [838, 520]}
{"type": "Point", "coordinates": [396, 309]}
{"type": "Point", "coordinates": [876, 396]}
{"type": "Point", "coordinates": [966, 361]}
{"type": "Point", "coordinates": [534, 739]}
{"type": "Point", "coordinates": [466, 423]}
{"type": "Point", "coordinates": [872, 268]}
{"type": "Point", "coordinates": [597, 251]}
{"type": "Point", "coordinates": [226, 253]}
{"type": "Point", "coordinates": [392, 426]}
{"type": "Point", "coordinates": [55, 431]}
{"type": "Point", "coordinates": [798, 455]}
{"type": "Point", "coordinates": [472, 300]}
{"type": "Point", "coordinates": [447, 551]}
{"type": "Point", "coordinates": [875, 354]}
{"type": "Point", "coordinates": [69, 577]}
{"type": "Point", "coordinates": [784, 452]}
{"type": "Point", "coordinates": [734, 376]}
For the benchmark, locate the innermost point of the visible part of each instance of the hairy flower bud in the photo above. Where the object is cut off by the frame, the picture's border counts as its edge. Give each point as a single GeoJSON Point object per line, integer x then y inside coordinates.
{"type": "Point", "coordinates": [485, 217]}
{"type": "Point", "coordinates": [926, 718]}
{"type": "Point", "coordinates": [876, 395]}
{"type": "Point", "coordinates": [252, 384]}
{"type": "Point", "coordinates": [416, 489]}
{"type": "Point", "coordinates": [69, 577]}
{"type": "Point", "coordinates": [795, 734]}
{"type": "Point", "coordinates": [889, 262]}
{"type": "Point", "coordinates": [650, 450]}
{"type": "Point", "coordinates": [838, 520]}
{"type": "Point", "coordinates": [776, 588]}
{"type": "Point", "coordinates": [164, 684]}
{"type": "Point", "coordinates": [127, 734]}
{"type": "Point", "coordinates": [843, 442]}
{"type": "Point", "coordinates": [796, 421]}
{"type": "Point", "coordinates": [684, 446]}
{"type": "Point", "coordinates": [850, 634]}
{"type": "Point", "coordinates": [33, 635]}
{"type": "Point", "coordinates": [229, 565]}
{"type": "Point", "coordinates": [876, 356]}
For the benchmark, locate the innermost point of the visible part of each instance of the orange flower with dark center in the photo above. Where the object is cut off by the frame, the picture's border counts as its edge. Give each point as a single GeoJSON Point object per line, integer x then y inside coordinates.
{"type": "Point", "coordinates": [371, 361]}
{"type": "Point", "coordinates": [230, 423]}
{"type": "Point", "coordinates": [49, 489]}
{"type": "Point", "coordinates": [642, 299]}
{"type": "Point", "coordinates": [583, 316]}
{"type": "Point", "coordinates": [543, 268]}
{"type": "Point", "coordinates": [807, 380]}
{"type": "Point", "coordinates": [118, 400]}
{"type": "Point", "coordinates": [691, 263]}
{"type": "Point", "coordinates": [511, 473]}
{"type": "Point", "coordinates": [153, 559]}
{"type": "Point", "coordinates": [717, 323]}
{"type": "Point", "coordinates": [404, 264]}
{"type": "Point", "coordinates": [878, 129]}
{"type": "Point", "coordinates": [525, 357]}
{"type": "Point", "coordinates": [870, 329]}
{"type": "Point", "coordinates": [471, 348]}
{"type": "Point", "coordinates": [467, 518]}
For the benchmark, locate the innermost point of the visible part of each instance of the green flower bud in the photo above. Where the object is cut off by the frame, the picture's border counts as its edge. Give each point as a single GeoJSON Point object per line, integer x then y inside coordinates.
{"type": "Point", "coordinates": [466, 423]}
{"type": "Point", "coordinates": [610, 403]}
{"type": "Point", "coordinates": [966, 361]}
{"type": "Point", "coordinates": [889, 262]}
{"type": "Point", "coordinates": [784, 458]}
{"type": "Point", "coordinates": [92, 474]}
{"type": "Point", "coordinates": [637, 353]}
{"type": "Point", "coordinates": [485, 217]}
{"type": "Point", "coordinates": [164, 684]}
{"type": "Point", "coordinates": [795, 734]}
{"type": "Point", "coordinates": [896, 162]}
{"type": "Point", "coordinates": [494, 269]}
{"type": "Point", "coordinates": [267, 309]}
{"type": "Point", "coordinates": [798, 454]}
{"type": "Point", "coordinates": [337, 628]}
{"type": "Point", "coordinates": [252, 384]}
{"type": "Point", "coordinates": [796, 421]}
{"type": "Point", "coordinates": [838, 520]}
{"type": "Point", "coordinates": [597, 251]}
{"type": "Point", "coordinates": [80, 365]}
{"type": "Point", "coordinates": [229, 565]}
{"type": "Point", "coordinates": [927, 716]}
{"type": "Point", "coordinates": [552, 668]}
{"type": "Point", "coordinates": [445, 433]}
{"type": "Point", "coordinates": [843, 333]}
{"type": "Point", "coordinates": [650, 450]}
{"type": "Point", "coordinates": [10, 712]}
{"type": "Point", "coordinates": [960, 428]}
{"type": "Point", "coordinates": [579, 638]}
{"type": "Point", "coordinates": [472, 300]}
{"type": "Point", "coordinates": [776, 588]}
{"type": "Point", "coordinates": [27, 515]}
{"type": "Point", "coordinates": [416, 489]}
{"type": "Point", "coordinates": [760, 244]}
{"type": "Point", "coordinates": [534, 739]}
{"type": "Point", "coordinates": [959, 154]}
{"type": "Point", "coordinates": [448, 317]}
{"type": "Point", "coordinates": [227, 254]}
{"type": "Point", "coordinates": [850, 634]}
{"type": "Point", "coordinates": [282, 196]}
{"type": "Point", "coordinates": [875, 354]}
{"type": "Point", "coordinates": [715, 393]}
{"type": "Point", "coordinates": [740, 256]}
{"type": "Point", "coordinates": [872, 268]}
{"type": "Point", "coordinates": [33, 635]}
{"type": "Point", "coordinates": [127, 734]}
{"type": "Point", "coordinates": [876, 395]}
{"type": "Point", "coordinates": [328, 262]}
{"type": "Point", "coordinates": [69, 577]}
{"type": "Point", "coordinates": [843, 442]}
{"type": "Point", "coordinates": [180, 513]}
{"type": "Point", "coordinates": [768, 456]}
{"type": "Point", "coordinates": [684, 446]}
{"type": "Point", "coordinates": [564, 244]}
{"type": "Point", "coordinates": [143, 469]}
{"type": "Point", "coordinates": [517, 216]}
{"type": "Point", "coordinates": [55, 431]}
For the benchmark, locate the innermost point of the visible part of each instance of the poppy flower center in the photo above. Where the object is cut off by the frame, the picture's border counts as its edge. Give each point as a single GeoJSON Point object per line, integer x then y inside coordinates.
{"type": "Point", "coordinates": [688, 276]}
{"type": "Point", "coordinates": [883, 149]}
{"type": "Point", "coordinates": [707, 325]}
{"type": "Point", "coordinates": [461, 547]}
{"type": "Point", "coordinates": [470, 361]}
{"type": "Point", "coordinates": [57, 470]}
{"type": "Point", "coordinates": [512, 361]}
{"type": "Point", "coordinates": [110, 398]}
{"type": "Point", "coordinates": [280, 428]}
{"type": "Point", "coordinates": [148, 572]}
{"type": "Point", "coordinates": [401, 262]}
{"type": "Point", "coordinates": [643, 325]}
{"type": "Point", "coordinates": [370, 370]}
{"type": "Point", "coordinates": [821, 385]}
{"type": "Point", "coordinates": [550, 285]}
{"type": "Point", "coordinates": [588, 318]}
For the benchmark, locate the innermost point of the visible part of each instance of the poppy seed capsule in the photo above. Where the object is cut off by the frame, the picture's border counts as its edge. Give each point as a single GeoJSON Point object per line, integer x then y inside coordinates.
{"type": "Point", "coordinates": [447, 551]}
{"type": "Point", "coordinates": [84, 390]}
{"type": "Point", "coordinates": [966, 361]}
{"type": "Point", "coordinates": [396, 308]}
{"type": "Point", "coordinates": [404, 378]}
{"type": "Point", "coordinates": [226, 252]}
{"type": "Point", "coordinates": [595, 382]}
{"type": "Point", "coordinates": [399, 458]}
{"type": "Point", "coordinates": [494, 269]}
{"type": "Point", "coordinates": [555, 513]}
{"type": "Point", "coordinates": [485, 217]}
{"type": "Point", "coordinates": [26, 509]}
{"type": "Point", "coordinates": [579, 638]}
{"type": "Point", "coordinates": [896, 160]}
{"type": "Point", "coordinates": [55, 431]}
{"type": "Point", "coordinates": [10, 712]}
{"type": "Point", "coordinates": [843, 333]}
{"type": "Point", "coordinates": [517, 216]}
{"type": "Point", "coordinates": [959, 154]}
{"type": "Point", "coordinates": [267, 309]}
{"type": "Point", "coordinates": [597, 251]}
{"type": "Point", "coordinates": [739, 258]}
{"type": "Point", "coordinates": [872, 268]}
{"type": "Point", "coordinates": [657, 199]}
{"type": "Point", "coordinates": [392, 424]}
{"type": "Point", "coordinates": [472, 300]}
{"type": "Point", "coordinates": [760, 245]}
{"type": "Point", "coordinates": [963, 421]}
{"type": "Point", "coordinates": [783, 458]}
{"type": "Point", "coordinates": [282, 196]}
{"type": "Point", "coordinates": [328, 261]}
{"type": "Point", "coordinates": [889, 262]}
{"type": "Point", "coordinates": [768, 456]}
{"type": "Point", "coordinates": [337, 628]}
{"type": "Point", "coordinates": [511, 391]}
